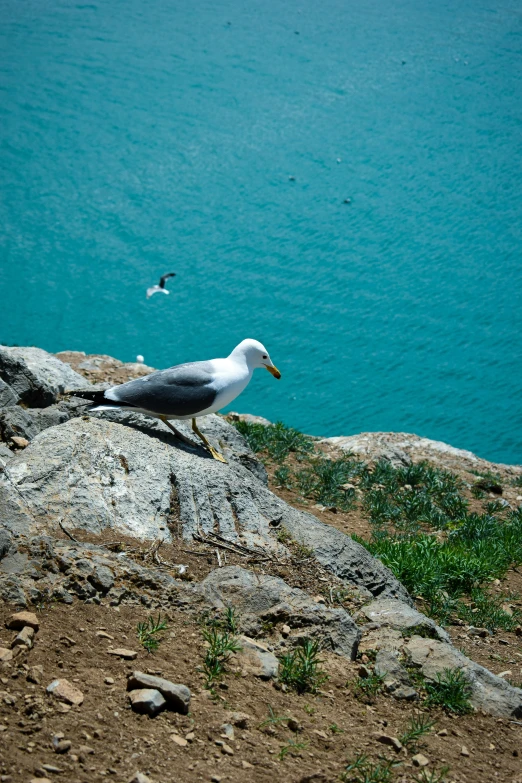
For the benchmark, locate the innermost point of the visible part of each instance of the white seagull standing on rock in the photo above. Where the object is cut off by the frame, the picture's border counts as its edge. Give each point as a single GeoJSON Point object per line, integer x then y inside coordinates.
{"type": "Point", "coordinates": [160, 289]}
{"type": "Point", "coordinates": [189, 390]}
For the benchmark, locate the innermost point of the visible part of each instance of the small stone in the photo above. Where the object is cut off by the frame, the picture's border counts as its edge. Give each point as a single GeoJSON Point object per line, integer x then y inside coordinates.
{"type": "Point", "coordinates": [240, 719]}
{"type": "Point", "coordinates": [227, 750]}
{"type": "Point", "coordinates": [5, 654]}
{"type": "Point", "coordinates": [22, 443]}
{"type": "Point", "coordinates": [442, 733]}
{"type": "Point", "coordinates": [19, 620]}
{"type": "Point", "coordinates": [491, 746]}
{"type": "Point", "coordinates": [102, 579]}
{"type": "Point", "coordinates": [228, 731]}
{"type": "Point", "coordinates": [177, 695]}
{"type": "Point", "coordinates": [52, 768]}
{"type": "Point", "coordinates": [24, 638]}
{"type": "Point", "coordinates": [393, 742]}
{"type": "Point", "coordinates": [247, 765]}
{"type": "Point", "coordinates": [147, 700]}
{"type": "Point", "coordinates": [294, 725]}
{"type": "Point", "coordinates": [319, 599]}
{"type": "Point", "coordinates": [420, 760]}
{"type": "Point", "coordinates": [190, 736]}
{"type": "Point", "coordinates": [62, 746]}
{"type": "Point", "coordinates": [177, 740]}
{"type": "Point", "coordinates": [39, 780]}
{"type": "Point", "coordinates": [464, 751]}
{"type": "Point", "coordinates": [139, 777]}
{"type": "Point", "coordinates": [64, 691]}
{"type": "Point", "coordinates": [321, 734]}
{"type": "Point", "coordinates": [103, 635]}
{"type": "Point", "coordinates": [363, 672]}
{"type": "Point", "coordinates": [35, 674]}
{"type": "Point", "coordinates": [286, 631]}
{"type": "Point", "coordinates": [518, 630]}
{"type": "Point", "coordinates": [121, 652]}
{"type": "Point", "coordinates": [109, 681]}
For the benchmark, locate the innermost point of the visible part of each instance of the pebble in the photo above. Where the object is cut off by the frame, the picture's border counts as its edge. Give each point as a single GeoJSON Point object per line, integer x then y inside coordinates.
{"type": "Point", "coordinates": [22, 443]}
{"type": "Point", "coordinates": [64, 691]}
{"type": "Point", "coordinates": [147, 700]}
{"type": "Point", "coordinates": [52, 768]}
{"type": "Point", "coordinates": [35, 674]}
{"type": "Point", "coordinates": [139, 777]}
{"type": "Point", "coordinates": [39, 780]}
{"type": "Point", "coordinates": [393, 742]}
{"type": "Point", "coordinates": [285, 631]}
{"type": "Point", "coordinates": [177, 740]}
{"type": "Point", "coordinates": [227, 750]}
{"type": "Point", "coordinates": [420, 760]}
{"type": "Point", "coordinates": [228, 731]}
{"type": "Point", "coordinates": [24, 638]}
{"type": "Point", "coordinates": [464, 751]}
{"type": "Point", "coordinates": [442, 733]}
{"type": "Point", "coordinates": [177, 695]}
{"type": "Point", "coordinates": [103, 635]}
{"type": "Point", "coordinates": [109, 681]}
{"type": "Point", "coordinates": [240, 719]}
{"type": "Point", "coordinates": [5, 654]}
{"type": "Point", "coordinates": [19, 620]}
{"type": "Point", "coordinates": [247, 765]}
{"type": "Point", "coordinates": [121, 652]}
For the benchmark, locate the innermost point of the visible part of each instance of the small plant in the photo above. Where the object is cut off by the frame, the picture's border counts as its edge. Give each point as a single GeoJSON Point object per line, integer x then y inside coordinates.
{"type": "Point", "coordinates": [148, 632]}
{"type": "Point", "coordinates": [419, 725]}
{"type": "Point", "coordinates": [302, 551]}
{"type": "Point", "coordinates": [231, 621]}
{"type": "Point", "coordinates": [292, 748]}
{"type": "Point", "coordinates": [362, 770]}
{"type": "Point", "coordinates": [283, 536]}
{"type": "Point", "coordinates": [309, 709]}
{"type": "Point", "coordinates": [432, 777]}
{"type": "Point", "coordinates": [367, 688]}
{"type": "Point", "coordinates": [451, 691]}
{"type": "Point", "coordinates": [221, 645]}
{"type": "Point", "coordinates": [335, 729]}
{"type": "Point", "coordinates": [273, 719]}
{"type": "Point", "coordinates": [282, 477]}
{"type": "Point", "coordinates": [301, 669]}
{"type": "Point", "coordinates": [518, 481]}
{"type": "Point", "coordinates": [276, 440]}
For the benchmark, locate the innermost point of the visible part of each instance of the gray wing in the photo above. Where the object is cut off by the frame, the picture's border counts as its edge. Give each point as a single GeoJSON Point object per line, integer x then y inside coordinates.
{"type": "Point", "coordinates": [184, 390]}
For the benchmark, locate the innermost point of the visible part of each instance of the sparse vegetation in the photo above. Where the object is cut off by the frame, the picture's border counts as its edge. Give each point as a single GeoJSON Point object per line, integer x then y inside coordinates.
{"type": "Point", "coordinates": [293, 748]}
{"type": "Point", "coordinates": [221, 645]}
{"type": "Point", "coordinates": [276, 440]}
{"type": "Point", "coordinates": [367, 688]}
{"type": "Point", "coordinates": [301, 669]}
{"type": "Point", "coordinates": [362, 770]}
{"type": "Point", "coordinates": [418, 726]}
{"type": "Point", "coordinates": [451, 691]}
{"type": "Point", "coordinates": [149, 632]}
{"type": "Point", "coordinates": [273, 719]}
{"type": "Point", "coordinates": [432, 776]}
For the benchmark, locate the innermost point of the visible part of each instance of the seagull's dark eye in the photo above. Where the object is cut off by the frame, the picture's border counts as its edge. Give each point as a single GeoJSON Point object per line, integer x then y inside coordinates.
{"type": "Point", "coordinates": [265, 356]}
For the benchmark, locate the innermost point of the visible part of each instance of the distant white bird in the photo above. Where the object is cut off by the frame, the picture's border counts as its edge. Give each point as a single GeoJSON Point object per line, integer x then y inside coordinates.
{"type": "Point", "coordinates": [156, 289]}
{"type": "Point", "coordinates": [140, 359]}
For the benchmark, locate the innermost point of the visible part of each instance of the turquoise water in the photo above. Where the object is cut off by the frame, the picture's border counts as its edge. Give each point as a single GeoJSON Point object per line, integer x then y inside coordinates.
{"type": "Point", "coordinates": [143, 137]}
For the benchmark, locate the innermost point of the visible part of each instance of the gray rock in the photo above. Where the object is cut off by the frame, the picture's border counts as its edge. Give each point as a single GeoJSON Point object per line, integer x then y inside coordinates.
{"type": "Point", "coordinates": [7, 395]}
{"type": "Point", "coordinates": [260, 598]}
{"type": "Point", "coordinates": [177, 696]}
{"type": "Point", "coordinates": [24, 638]}
{"type": "Point", "coordinates": [139, 777]}
{"type": "Point", "coordinates": [102, 579]}
{"type": "Point", "coordinates": [396, 678]}
{"type": "Point", "coordinates": [489, 692]}
{"type": "Point", "coordinates": [27, 423]}
{"type": "Point", "coordinates": [147, 701]}
{"type": "Point", "coordinates": [256, 659]}
{"type": "Point", "coordinates": [400, 615]}
{"type": "Point", "coordinates": [5, 454]}
{"type": "Point", "coordinates": [249, 418]}
{"type": "Point", "coordinates": [139, 480]}
{"type": "Point", "coordinates": [36, 376]}
{"type": "Point", "coordinates": [6, 542]}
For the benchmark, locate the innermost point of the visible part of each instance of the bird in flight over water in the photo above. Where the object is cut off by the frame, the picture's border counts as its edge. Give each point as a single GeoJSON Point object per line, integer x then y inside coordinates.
{"type": "Point", "coordinates": [156, 289]}
{"type": "Point", "coordinates": [187, 391]}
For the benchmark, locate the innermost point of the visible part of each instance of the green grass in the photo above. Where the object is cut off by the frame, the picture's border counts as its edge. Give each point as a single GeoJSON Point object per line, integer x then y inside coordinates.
{"type": "Point", "coordinates": [221, 645]}
{"type": "Point", "coordinates": [276, 440]}
{"type": "Point", "coordinates": [362, 770]}
{"type": "Point", "coordinates": [273, 719]}
{"type": "Point", "coordinates": [366, 689]}
{"type": "Point", "coordinates": [301, 669]}
{"type": "Point", "coordinates": [422, 526]}
{"type": "Point", "coordinates": [432, 776]}
{"type": "Point", "coordinates": [149, 632]}
{"type": "Point", "coordinates": [451, 691]}
{"type": "Point", "coordinates": [293, 748]}
{"type": "Point", "coordinates": [418, 727]}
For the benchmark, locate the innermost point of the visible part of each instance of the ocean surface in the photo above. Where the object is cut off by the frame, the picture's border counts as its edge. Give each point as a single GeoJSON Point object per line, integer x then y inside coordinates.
{"type": "Point", "coordinates": [220, 139]}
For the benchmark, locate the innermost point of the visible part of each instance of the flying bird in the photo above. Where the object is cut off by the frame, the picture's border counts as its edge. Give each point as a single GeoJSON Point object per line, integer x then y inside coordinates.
{"type": "Point", "coordinates": [187, 391]}
{"type": "Point", "coordinates": [156, 289]}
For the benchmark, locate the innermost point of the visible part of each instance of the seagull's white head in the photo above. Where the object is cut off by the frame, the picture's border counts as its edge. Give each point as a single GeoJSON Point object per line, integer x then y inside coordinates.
{"type": "Point", "coordinates": [255, 355]}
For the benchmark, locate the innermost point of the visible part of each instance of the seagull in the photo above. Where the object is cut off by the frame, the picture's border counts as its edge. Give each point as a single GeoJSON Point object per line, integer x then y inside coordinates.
{"type": "Point", "coordinates": [156, 289]}
{"type": "Point", "coordinates": [187, 391]}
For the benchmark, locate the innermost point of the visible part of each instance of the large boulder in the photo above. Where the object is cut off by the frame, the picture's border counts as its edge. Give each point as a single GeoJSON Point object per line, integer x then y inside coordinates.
{"type": "Point", "coordinates": [139, 479]}
{"type": "Point", "coordinates": [35, 377]}
{"type": "Point", "coordinates": [404, 618]}
{"type": "Point", "coordinates": [260, 599]}
{"type": "Point", "coordinates": [7, 395]}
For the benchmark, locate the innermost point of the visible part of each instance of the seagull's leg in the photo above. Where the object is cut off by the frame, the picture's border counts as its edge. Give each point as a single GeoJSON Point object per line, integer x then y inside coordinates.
{"type": "Point", "coordinates": [176, 432]}
{"type": "Point", "coordinates": [212, 450]}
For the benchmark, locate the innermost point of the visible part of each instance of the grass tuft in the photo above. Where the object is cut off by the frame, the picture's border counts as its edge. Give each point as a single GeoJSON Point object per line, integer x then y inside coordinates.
{"type": "Point", "coordinates": [362, 770]}
{"type": "Point", "coordinates": [221, 645]}
{"type": "Point", "coordinates": [149, 631]}
{"type": "Point", "coordinates": [418, 726]}
{"type": "Point", "coordinates": [451, 691]}
{"type": "Point", "coordinates": [301, 669]}
{"type": "Point", "coordinates": [276, 439]}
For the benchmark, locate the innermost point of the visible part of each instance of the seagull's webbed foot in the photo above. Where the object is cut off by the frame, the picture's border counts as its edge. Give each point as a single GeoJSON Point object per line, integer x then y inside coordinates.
{"type": "Point", "coordinates": [215, 454]}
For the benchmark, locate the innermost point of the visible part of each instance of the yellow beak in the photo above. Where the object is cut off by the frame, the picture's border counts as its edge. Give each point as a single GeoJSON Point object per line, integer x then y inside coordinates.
{"type": "Point", "coordinates": [273, 370]}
